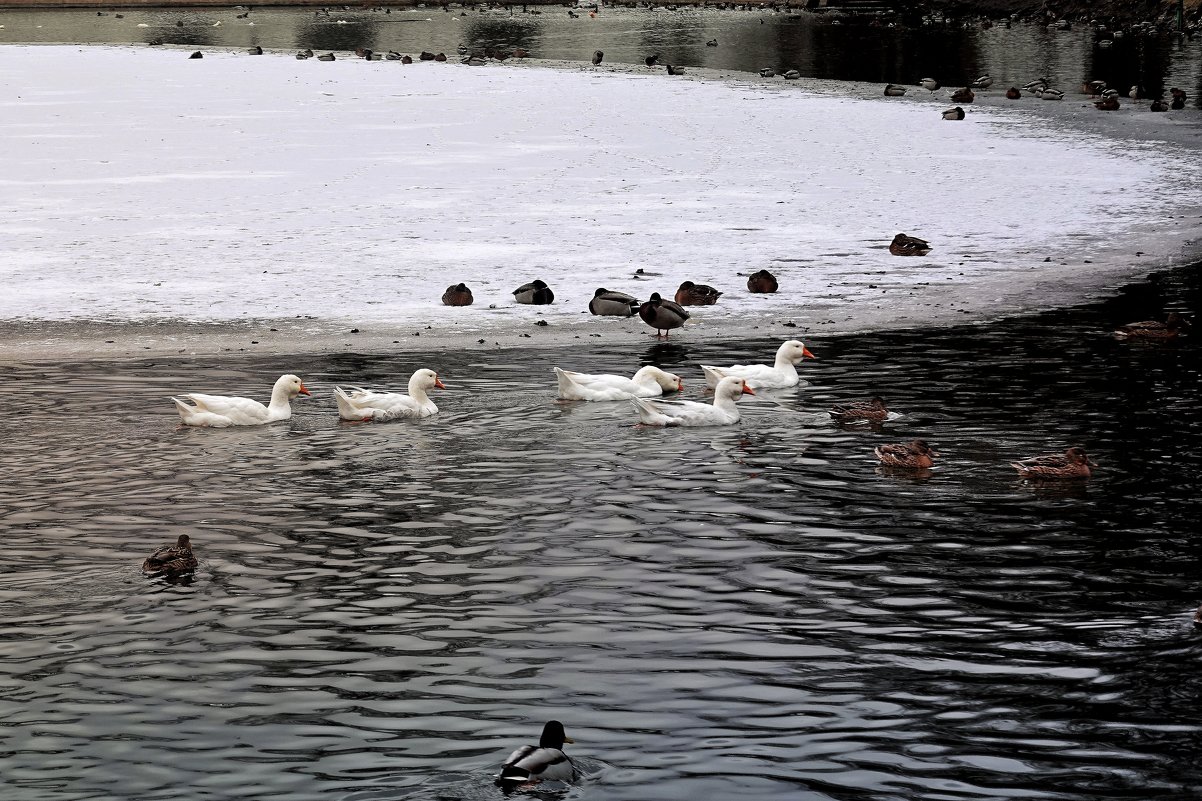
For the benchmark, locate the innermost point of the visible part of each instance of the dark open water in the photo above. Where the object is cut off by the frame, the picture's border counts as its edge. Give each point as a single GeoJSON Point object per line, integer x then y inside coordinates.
{"type": "Point", "coordinates": [818, 45]}
{"type": "Point", "coordinates": [384, 611]}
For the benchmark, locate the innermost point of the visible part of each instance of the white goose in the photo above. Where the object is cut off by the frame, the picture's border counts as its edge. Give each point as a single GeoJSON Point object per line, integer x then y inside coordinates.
{"type": "Point", "coordinates": [722, 412]}
{"type": "Point", "coordinates": [220, 411]}
{"type": "Point", "coordinates": [648, 382]}
{"type": "Point", "coordinates": [760, 376]}
{"type": "Point", "coordinates": [363, 404]}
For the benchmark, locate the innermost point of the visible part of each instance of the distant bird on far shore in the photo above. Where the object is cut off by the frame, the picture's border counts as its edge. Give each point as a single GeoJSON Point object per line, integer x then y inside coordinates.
{"type": "Point", "coordinates": [675, 70]}
{"type": "Point", "coordinates": [964, 95]}
{"type": "Point", "coordinates": [651, 60]}
{"type": "Point", "coordinates": [984, 82]}
{"type": "Point", "coordinates": [662, 315]}
{"type": "Point", "coordinates": [255, 51]}
{"type": "Point", "coordinates": [956, 113]}
{"type": "Point", "coordinates": [458, 295]}
{"type": "Point", "coordinates": [893, 90]}
{"type": "Point", "coordinates": [304, 54]}
{"type": "Point", "coordinates": [197, 54]}
{"type": "Point", "coordinates": [1107, 104]}
{"type": "Point", "coordinates": [597, 56]}
{"type": "Point", "coordinates": [930, 84]}
{"type": "Point", "coordinates": [905, 245]}
{"type": "Point", "coordinates": [326, 57]}
{"type": "Point", "coordinates": [762, 282]}
{"type": "Point", "coordinates": [767, 72]}
{"type": "Point", "coordinates": [1013, 93]}
{"type": "Point", "coordinates": [712, 43]}
{"type": "Point", "coordinates": [792, 75]}
{"type": "Point", "coordinates": [1159, 105]}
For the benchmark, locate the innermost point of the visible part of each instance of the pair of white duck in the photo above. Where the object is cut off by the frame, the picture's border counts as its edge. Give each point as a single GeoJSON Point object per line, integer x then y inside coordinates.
{"type": "Point", "coordinates": [729, 383]}
{"type": "Point", "coordinates": [221, 411]}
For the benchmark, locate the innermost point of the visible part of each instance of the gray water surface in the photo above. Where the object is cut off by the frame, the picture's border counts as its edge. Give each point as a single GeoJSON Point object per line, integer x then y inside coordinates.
{"type": "Point", "coordinates": [384, 611]}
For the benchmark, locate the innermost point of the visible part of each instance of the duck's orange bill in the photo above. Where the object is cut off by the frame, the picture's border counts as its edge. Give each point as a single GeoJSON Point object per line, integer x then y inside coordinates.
{"type": "Point", "coordinates": [438, 383]}
{"type": "Point", "coordinates": [304, 390]}
{"type": "Point", "coordinates": [680, 385]}
{"type": "Point", "coordinates": [806, 352]}
{"type": "Point", "coordinates": [748, 390]}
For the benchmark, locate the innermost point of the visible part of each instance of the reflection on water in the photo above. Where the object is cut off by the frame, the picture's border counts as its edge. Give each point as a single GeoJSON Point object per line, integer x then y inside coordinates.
{"type": "Point", "coordinates": [829, 46]}
{"type": "Point", "coordinates": [384, 611]}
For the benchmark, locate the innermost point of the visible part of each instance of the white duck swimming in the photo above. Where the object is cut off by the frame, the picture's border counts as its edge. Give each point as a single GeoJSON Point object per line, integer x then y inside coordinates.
{"type": "Point", "coordinates": [363, 404]}
{"type": "Point", "coordinates": [534, 763]}
{"type": "Point", "coordinates": [648, 382]}
{"type": "Point", "coordinates": [220, 411]}
{"type": "Point", "coordinates": [722, 412]}
{"type": "Point", "coordinates": [760, 376]}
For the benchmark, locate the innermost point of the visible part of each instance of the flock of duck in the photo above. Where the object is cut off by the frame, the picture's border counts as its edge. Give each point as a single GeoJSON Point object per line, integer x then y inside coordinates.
{"type": "Point", "coordinates": [1104, 97]}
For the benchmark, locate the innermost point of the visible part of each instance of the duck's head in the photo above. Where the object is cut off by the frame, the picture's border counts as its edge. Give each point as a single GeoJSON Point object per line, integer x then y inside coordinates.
{"type": "Point", "coordinates": [669, 382]}
{"type": "Point", "coordinates": [655, 298]}
{"type": "Point", "coordinates": [795, 350]}
{"type": "Point", "coordinates": [538, 283]}
{"type": "Point", "coordinates": [554, 736]}
{"type": "Point", "coordinates": [292, 385]}
{"type": "Point", "coordinates": [184, 542]}
{"type": "Point", "coordinates": [921, 446]}
{"type": "Point", "coordinates": [733, 388]}
{"type": "Point", "coordinates": [1077, 456]}
{"type": "Point", "coordinates": [687, 286]}
{"type": "Point", "coordinates": [427, 379]}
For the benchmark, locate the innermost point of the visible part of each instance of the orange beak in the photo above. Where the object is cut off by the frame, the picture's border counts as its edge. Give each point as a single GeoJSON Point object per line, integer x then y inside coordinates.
{"type": "Point", "coordinates": [680, 385]}
{"type": "Point", "coordinates": [748, 390]}
{"type": "Point", "coordinates": [438, 383]}
{"type": "Point", "coordinates": [806, 352]}
{"type": "Point", "coordinates": [304, 390]}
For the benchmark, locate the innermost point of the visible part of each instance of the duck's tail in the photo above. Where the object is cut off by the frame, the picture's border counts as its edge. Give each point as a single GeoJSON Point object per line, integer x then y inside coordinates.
{"type": "Point", "coordinates": [347, 409]}
{"type": "Point", "coordinates": [568, 389]}
{"type": "Point", "coordinates": [712, 375]}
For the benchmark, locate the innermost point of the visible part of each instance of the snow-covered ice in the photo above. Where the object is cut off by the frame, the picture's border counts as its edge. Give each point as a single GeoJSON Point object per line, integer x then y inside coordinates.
{"type": "Point", "coordinates": [137, 184]}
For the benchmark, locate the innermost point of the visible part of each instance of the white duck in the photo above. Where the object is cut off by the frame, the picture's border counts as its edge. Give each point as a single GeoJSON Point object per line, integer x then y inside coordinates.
{"type": "Point", "coordinates": [363, 404]}
{"type": "Point", "coordinates": [722, 412]}
{"type": "Point", "coordinates": [220, 411]}
{"type": "Point", "coordinates": [760, 376]}
{"type": "Point", "coordinates": [648, 382]}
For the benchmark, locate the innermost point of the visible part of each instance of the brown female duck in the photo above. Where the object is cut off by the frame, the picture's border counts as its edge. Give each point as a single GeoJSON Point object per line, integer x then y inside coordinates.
{"type": "Point", "coordinates": [762, 282]}
{"type": "Point", "coordinates": [1172, 326]}
{"type": "Point", "coordinates": [871, 411]}
{"type": "Point", "coordinates": [1073, 463]}
{"type": "Point", "coordinates": [690, 294]}
{"type": "Point", "coordinates": [917, 454]}
{"type": "Point", "coordinates": [903, 245]}
{"type": "Point", "coordinates": [172, 560]}
{"type": "Point", "coordinates": [457, 295]}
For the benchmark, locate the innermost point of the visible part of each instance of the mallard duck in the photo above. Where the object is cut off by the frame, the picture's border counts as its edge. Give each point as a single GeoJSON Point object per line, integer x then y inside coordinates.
{"type": "Point", "coordinates": [304, 54]}
{"type": "Point", "coordinates": [1013, 93]}
{"type": "Point", "coordinates": [255, 51]}
{"type": "Point", "coordinates": [545, 761]}
{"type": "Point", "coordinates": [1158, 105]}
{"type": "Point", "coordinates": [675, 70]}
{"type": "Point", "coordinates": [457, 295]}
{"type": "Point", "coordinates": [930, 84]}
{"type": "Point", "coordinates": [767, 72]}
{"type": "Point", "coordinates": [1073, 463]}
{"type": "Point", "coordinates": [363, 404]}
{"type": "Point", "coordinates": [1050, 94]}
{"type": "Point", "coordinates": [858, 411]}
{"type": "Point", "coordinates": [220, 411]}
{"type": "Point", "coordinates": [536, 292]}
{"type": "Point", "coordinates": [651, 60]}
{"type": "Point", "coordinates": [984, 82]}
{"type": "Point", "coordinates": [171, 560]}
{"type": "Point", "coordinates": [197, 54]}
{"type": "Point", "coordinates": [762, 282]}
{"type": "Point", "coordinates": [1093, 87]}
{"type": "Point", "coordinates": [1174, 324]}
{"type": "Point", "coordinates": [904, 245]}
{"type": "Point", "coordinates": [792, 75]}
{"type": "Point", "coordinates": [712, 43]}
{"type": "Point", "coordinates": [648, 382]}
{"type": "Point", "coordinates": [326, 57]}
{"type": "Point", "coordinates": [1107, 104]}
{"type": "Point", "coordinates": [782, 373]}
{"type": "Point", "coordinates": [406, 59]}
{"type": "Point", "coordinates": [722, 412]}
{"type": "Point", "coordinates": [690, 294]}
{"type": "Point", "coordinates": [916, 454]}
{"type": "Point", "coordinates": [608, 303]}
{"type": "Point", "coordinates": [597, 56]}
{"type": "Point", "coordinates": [426, 55]}
{"type": "Point", "coordinates": [964, 95]}
{"type": "Point", "coordinates": [893, 90]}
{"type": "Point", "coordinates": [956, 113]}
{"type": "Point", "coordinates": [393, 55]}
{"type": "Point", "coordinates": [662, 315]}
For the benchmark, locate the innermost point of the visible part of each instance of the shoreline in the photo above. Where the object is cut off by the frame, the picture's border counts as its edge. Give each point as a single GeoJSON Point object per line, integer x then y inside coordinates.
{"type": "Point", "coordinates": [858, 301]}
